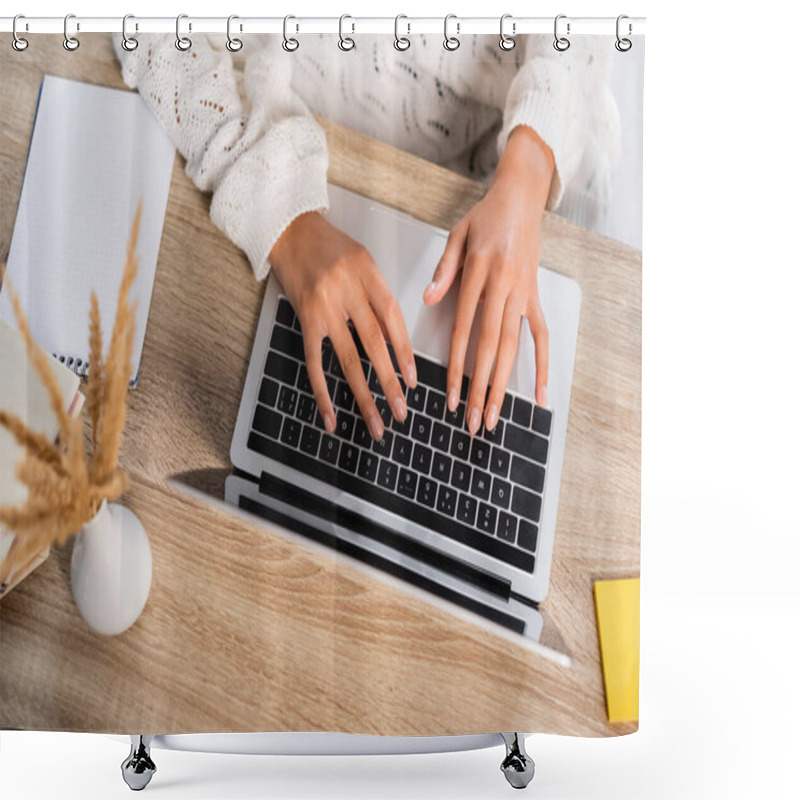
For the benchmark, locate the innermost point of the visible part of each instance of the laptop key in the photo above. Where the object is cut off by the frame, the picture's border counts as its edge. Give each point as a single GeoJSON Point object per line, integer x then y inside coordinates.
{"type": "Point", "coordinates": [384, 446]}
{"type": "Point", "coordinates": [456, 418]}
{"type": "Point", "coordinates": [267, 421]}
{"type": "Point", "coordinates": [403, 427]}
{"type": "Point", "coordinates": [498, 463]}
{"type": "Point", "coordinates": [382, 404]}
{"type": "Point", "coordinates": [335, 367]}
{"type": "Point", "coordinates": [496, 435]}
{"type": "Point", "coordinates": [480, 484]}
{"type": "Point", "coordinates": [287, 401]}
{"type": "Point", "coordinates": [344, 425]}
{"type": "Point", "coordinates": [290, 432]}
{"type": "Point", "coordinates": [479, 454]}
{"type": "Point", "coordinates": [487, 518]}
{"type": "Point", "coordinates": [288, 342]}
{"type": "Point", "coordinates": [303, 381]}
{"type": "Point", "coordinates": [329, 451]}
{"type": "Point", "coordinates": [374, 383]}
{"type": "Point", "coordinates": [507, 527]}
{"type": "Point", "coordinates": [466, 510]}
{"type": "Point", "coordinates": [361, 435]}
{"type": "Point", "coordinates": [431, 374]}
{"type": "Point", "coordinates": [527, 444]}
{"type": "Point", "coordinates": [285, 313]}
{"type": "Point", "coordinates": [401, 452]}
{"type": "Point", "coordinates": [521, 415]}
{"type": "Point", "coordinates": [462, 476]}
{"type": "Point", "coordinates": [348, 458]}
{"type": "Point", "coordinates": [528, 534]}
{"type": "Point", "coordinates": [527, 474]}
{"type": "Point", "coordinates": [368, 466]}
{"type": "Point", "coordinates": [501, 493]}
{"type": "Point", "coordinates": [327, 354]}
{"type": "Point", "coordinates": [344, 397]}
{"type": "Point", "coordinates": [415, 398]}
{"type": "Point", "coordinates": [541, 420]}
{"type": "Point", "coordinates": [526, 504]}
{"type": "Point", "coordinates": [436, 404]}
{"type": "Point", "coordinates": [460, 446]}
{"type": "Point", "coordinates": [421, 459]}
{"type": "Point", "coordinates": [505, 409]}
{"type": "Point", "coordinates": [407, 483]}
{"type": "Point", "coordinates": [426, 492]}
{"type": "Point", "coordinates": [306, 408]}
{"type": "Point", "coordinates": [446, 501]}
{"type": "Point", "coordinates": [421, 429]}
{"type": "Point", "coordinates": [441, 467]}
{"type": "Point", "coordinates": [268, 393]}
{"type": "Point", "coordinates": [387, 474]}
{"type": "Point", "coordinates": [440, 438]}
{"type": "Point", "coordinates": [309, 440]}
{"type": "Point", "coordinates": [281, 368]}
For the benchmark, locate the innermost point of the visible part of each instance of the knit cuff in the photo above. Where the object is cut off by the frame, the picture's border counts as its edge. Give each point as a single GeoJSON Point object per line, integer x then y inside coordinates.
{"type": "Point", "coordinates": [262, 212]}
{"type": "Point", "coordinates": [536, 110]}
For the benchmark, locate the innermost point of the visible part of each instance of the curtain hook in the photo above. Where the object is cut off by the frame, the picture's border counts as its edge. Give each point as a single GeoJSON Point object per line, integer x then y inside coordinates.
{"type": "Point", "coordinates": [401, 43]}
{"type": "Point", "coordinates": [183, 43]}
{"type": "Point", "coordinates": [623, 45]}
{"type": "Point", "coordinates": [129, 43]}
{"type": "Point", "coordinates": [507, 42]}
{"type": "Point", "coordinates": [71, 43]}
{"type": "Point", "coordinates": [561, 43]}
{"type": "Point", "coordinates": [290, 44]}
{"type": "Point", "coordinates": [234, 45]}
{"type": "Point", "coordinates": [451, 42]}
{"type": "Point", "coordinates": [346, 42]}
{"type": "Point", "coordinates": [18, 43]}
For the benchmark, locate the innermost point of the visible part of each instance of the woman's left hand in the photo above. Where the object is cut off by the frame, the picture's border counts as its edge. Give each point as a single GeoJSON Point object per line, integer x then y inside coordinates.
{"type": "Point", "coordinates": [497, 246]}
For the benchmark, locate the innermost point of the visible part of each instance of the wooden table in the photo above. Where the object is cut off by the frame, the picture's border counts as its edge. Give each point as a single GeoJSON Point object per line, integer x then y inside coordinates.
{"type": "Point", "coordinates": [246, 630]}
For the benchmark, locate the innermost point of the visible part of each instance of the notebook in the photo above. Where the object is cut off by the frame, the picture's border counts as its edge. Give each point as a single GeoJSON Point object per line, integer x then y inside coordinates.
{"type": "Point", "coordinates": [94, 153]}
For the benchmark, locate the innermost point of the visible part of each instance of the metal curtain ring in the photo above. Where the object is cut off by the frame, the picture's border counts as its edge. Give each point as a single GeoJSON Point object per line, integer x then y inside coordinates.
{"type": "Point", "coordinates": [346, 42]}
{"type": "Point", "coordinates": [234, 45]}
{"type": "Point", "coordinates": [623, 45]}
{"type": "Point", "coordinates": [183, 43]}
{"type": "Point", "coordinates": [290, 44]}
{"type": "Point", "coordinates": [129, 43]}
{"type": "Point", "coordinates": [561, 43]}
{"type": "Point", "coordinates": [18, 43]}
{"type": "Point", "coordinates": [451, 42]}
{"type": "Point", "coordinates": [401, 43]}
{"type": "Point", "coordinates": [506, 42]}
{"type": "Point", "coordinates": [70, 42]}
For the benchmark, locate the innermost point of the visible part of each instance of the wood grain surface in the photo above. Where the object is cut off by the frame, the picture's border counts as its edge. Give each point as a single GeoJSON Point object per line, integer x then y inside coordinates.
{"type": "Point", "coordinates": [246, 629]}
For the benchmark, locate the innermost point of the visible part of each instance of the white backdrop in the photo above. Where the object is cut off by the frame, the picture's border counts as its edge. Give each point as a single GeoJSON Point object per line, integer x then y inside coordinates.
{"type": "Point", "coordinates": [721, 538]}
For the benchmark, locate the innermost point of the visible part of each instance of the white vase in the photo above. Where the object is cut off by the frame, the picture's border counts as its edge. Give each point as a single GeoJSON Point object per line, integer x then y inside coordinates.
{"type": "Point", "coordinates": [111, 569]}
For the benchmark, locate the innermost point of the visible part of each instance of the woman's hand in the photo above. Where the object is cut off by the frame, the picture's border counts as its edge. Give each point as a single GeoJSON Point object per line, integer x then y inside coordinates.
{"type": "Point", "coordinates": [329, 279]}
{"type": "Point", "coordinates": [497, 246]}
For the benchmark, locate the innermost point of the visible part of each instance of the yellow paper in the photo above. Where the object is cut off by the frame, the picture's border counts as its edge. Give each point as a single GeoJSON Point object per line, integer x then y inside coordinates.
{"type": "Point", "coordinates": [618, 625]}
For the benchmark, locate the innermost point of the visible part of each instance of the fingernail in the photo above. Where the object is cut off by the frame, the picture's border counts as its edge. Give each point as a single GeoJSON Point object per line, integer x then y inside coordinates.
{"type": "Point", "coordinates": [491, 417]}
{"type": "Point", "coordinates": [411, 375]}
{"type": "Point", "coordinates": [330, 423]}
{"type": "Point", "coordinates": [452, 399]}
{"type": "Point", "coordinates": [474, 421]}
{"type": "Point", "coordinates": [376, 427]}
{"type": "Point", "coordinates": [400, 410]}
{"type": "Point", "coordinates": [431, 287]}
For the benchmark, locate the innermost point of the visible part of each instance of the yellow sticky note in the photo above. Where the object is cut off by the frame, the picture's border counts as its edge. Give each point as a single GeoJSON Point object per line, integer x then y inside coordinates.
{"type": "Point", "coordinates": [618, 625]}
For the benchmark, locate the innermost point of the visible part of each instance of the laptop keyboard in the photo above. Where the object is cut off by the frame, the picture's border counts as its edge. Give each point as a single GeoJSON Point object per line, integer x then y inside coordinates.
{"type": "Point", "coordinates": [483, 491]}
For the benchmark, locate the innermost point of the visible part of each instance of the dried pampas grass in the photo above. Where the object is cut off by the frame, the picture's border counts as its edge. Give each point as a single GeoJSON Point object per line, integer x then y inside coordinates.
{"type": "Point", "coordinates": [65, 486]}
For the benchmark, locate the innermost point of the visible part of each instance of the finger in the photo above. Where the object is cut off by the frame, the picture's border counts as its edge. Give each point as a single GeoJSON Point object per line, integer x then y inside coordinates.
{"type": "Point", "coordinates": [350, 362]}
{"type": "Point", "coordinates": [369, 331]}
{"type": "Point", "coordinates": [312, 344]}
{"type": "Point", "coordinates": [506, 353]}
{"type": "Point", "coordinates": [471, 288]}
{"type": "Point", "coordinates": [541, 340]}
{"type": "Point", "coordinates": [489, 336]}
{"type": "Point", "coordinates": [449, 264]}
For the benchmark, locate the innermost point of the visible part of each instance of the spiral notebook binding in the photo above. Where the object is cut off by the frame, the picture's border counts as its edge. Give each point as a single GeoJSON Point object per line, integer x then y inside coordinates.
{"type": "Point", "coordinates": [76, 364]}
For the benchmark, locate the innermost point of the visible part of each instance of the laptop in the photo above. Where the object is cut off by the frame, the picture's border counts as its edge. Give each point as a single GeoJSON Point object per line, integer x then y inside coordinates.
{"type": "Point", "coordinates": [470, 519]}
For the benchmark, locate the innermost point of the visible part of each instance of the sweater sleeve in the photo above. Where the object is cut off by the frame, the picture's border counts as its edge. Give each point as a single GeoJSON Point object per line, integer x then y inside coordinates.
{"type": "Point", "coordinates": [561, 95]}
{"type": "Point", "coordinates": [263, 156]}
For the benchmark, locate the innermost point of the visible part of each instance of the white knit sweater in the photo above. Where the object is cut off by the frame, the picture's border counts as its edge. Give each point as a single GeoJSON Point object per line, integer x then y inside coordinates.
{"type": "Point", "coordinates": [249, 135]}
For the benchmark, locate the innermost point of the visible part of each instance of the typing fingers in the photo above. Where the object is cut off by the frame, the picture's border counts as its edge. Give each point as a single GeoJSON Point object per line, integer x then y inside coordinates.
{"type": "Point", "coordinates": [506, 352]}
{"type": "Point", "coordinates": [541, 340]}
{"type": "Point", "coordinates": [491, 321]}
{"type": "Point", "coordinates": [312, 344]}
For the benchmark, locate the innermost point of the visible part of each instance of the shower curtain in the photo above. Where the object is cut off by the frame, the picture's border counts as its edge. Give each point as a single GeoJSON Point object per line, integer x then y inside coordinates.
{"type": "Point", "coordinates": [383, 440]}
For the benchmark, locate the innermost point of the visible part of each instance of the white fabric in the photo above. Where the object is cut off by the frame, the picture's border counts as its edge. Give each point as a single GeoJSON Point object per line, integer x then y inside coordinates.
{"type": "Point", "coordinates": [252, 140]}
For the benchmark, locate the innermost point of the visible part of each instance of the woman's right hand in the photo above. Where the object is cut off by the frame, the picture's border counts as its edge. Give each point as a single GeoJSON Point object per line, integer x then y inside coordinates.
{"type": "Point", "coordinates": [329, 279]}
